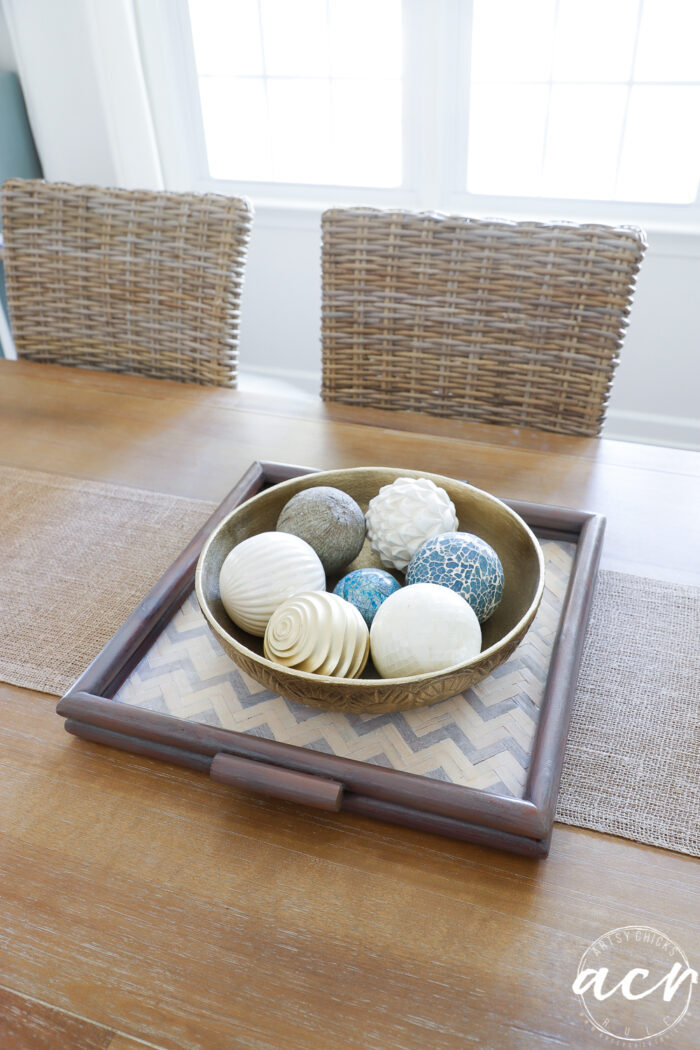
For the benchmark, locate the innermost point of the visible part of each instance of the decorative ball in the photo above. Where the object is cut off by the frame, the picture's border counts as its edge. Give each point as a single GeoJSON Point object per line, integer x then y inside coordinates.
{"type": "Point", "coordinates": [423, 628]}
{"type": "Point", "coordinates": [465, 564]}
{"type": "Point", "coordinates": [366, 589]}
{"type": "Point", "coordinates": [320, 633]}
{"type": "Point", "coordinates": [330, 521]}
{"type": "Point", "coordinates": [264, 570]}
{"type": "Point", "coordinates": [405, 514]}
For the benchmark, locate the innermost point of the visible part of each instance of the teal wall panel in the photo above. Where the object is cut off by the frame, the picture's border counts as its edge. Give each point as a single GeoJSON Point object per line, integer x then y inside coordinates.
{"type": "Point", "coordinates": [18, 155]}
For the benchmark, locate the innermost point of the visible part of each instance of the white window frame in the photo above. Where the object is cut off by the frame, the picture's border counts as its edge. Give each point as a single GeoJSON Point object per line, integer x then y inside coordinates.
{"type": "Point", "coordinates": [435, 108]}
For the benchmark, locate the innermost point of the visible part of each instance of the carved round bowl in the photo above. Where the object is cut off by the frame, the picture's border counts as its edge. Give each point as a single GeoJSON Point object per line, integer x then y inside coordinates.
{"type": "Point", "coordinates": [478, 513]}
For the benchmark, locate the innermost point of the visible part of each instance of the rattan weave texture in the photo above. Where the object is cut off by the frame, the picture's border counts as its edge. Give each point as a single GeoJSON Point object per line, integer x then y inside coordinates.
{"type": "Point", "coordinates": [517, 323]}
{"type": "Point", "coordinates": [126, 280]}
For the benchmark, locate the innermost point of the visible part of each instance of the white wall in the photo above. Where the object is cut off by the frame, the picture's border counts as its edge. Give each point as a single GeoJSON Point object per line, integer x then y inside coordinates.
{"type": "Point", "coordinates": [8, 62]}
{"type": "Point", "coordinates": [281, 302]}
{"type": "Point", "coordinates": [656, 396]}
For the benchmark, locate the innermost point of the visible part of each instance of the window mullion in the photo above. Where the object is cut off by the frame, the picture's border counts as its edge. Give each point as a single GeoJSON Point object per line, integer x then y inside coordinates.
{"type": "Point", "coordinates": [455, 97]}
{"type": "Point", "coordinates": [423, 123]}
{"type": "Point", "coordinates": [623, 129]}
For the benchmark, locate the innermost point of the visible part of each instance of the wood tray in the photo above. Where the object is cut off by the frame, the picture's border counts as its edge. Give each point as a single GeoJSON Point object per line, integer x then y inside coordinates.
{"type": "Point", "coordinates": [312, 777]}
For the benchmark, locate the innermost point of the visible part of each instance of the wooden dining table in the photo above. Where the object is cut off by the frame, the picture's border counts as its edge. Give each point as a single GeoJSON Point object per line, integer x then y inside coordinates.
{"type": "Point", "coordinates": [146, 905]}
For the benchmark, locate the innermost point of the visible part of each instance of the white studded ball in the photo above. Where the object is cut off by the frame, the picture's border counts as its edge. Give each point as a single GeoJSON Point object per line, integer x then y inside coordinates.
{"type": "Point", "coordinates": [403, 515]}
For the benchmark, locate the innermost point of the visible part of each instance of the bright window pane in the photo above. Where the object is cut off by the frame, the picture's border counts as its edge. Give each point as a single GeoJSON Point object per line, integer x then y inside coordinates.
{"type": "Point", "coordinates": [506, 138]}
{"type": "Point", "coordinates": [233, 112]}
{"type": "Point", "coordinates": [583, 140]}
{"type": "Point", "coordinates": [300, 125]}
{"type": "Point", "coordinates": [365, 38]}
{"type": "Point", "coordinates": [301, 91]}
{"type": "Point", "coordinates": [512, 40]}
{"type": "Point", "coordinates": [669, 41]}
{"type": "Point", "coordinates": [226, 37]}
{"type": "Point", "coordinates": [594, 40]}
{"type": "Point", "coordinates": [295, 38]}
{"type": "Point", "coordinates": [661, 155]}
{"type": "Point", "coordinates": [366, 133]}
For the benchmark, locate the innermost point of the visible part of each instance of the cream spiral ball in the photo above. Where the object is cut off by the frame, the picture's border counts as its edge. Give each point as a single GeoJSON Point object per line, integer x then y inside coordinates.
{"type": "Point", "coordinates": [318, 632]}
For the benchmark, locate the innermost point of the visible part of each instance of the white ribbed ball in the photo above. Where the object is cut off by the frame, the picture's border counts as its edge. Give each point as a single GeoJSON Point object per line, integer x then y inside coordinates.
{"type": "Point", "coordinates": [423, 628]}
{"type": "Point", "coordinates": [262, 572]}
{"type": "Point", "coordinates": [403, 515]}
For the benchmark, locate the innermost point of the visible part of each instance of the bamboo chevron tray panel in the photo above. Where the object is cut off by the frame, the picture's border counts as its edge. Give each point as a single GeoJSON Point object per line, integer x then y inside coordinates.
{"type": "Point", "coordinates": [481, 738]}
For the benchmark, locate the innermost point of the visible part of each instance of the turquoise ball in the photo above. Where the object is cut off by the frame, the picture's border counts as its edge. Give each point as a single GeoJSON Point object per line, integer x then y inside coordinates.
{"type": "Point", "coordinates": [366, 589]}
{"type": "Point", "coordinates": [465, 564]}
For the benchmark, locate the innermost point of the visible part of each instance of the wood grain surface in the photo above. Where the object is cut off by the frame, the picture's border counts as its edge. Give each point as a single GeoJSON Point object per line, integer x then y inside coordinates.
{"type": "Point", "coordinates": [157, 906]}
{"type": "Point", "coordinates": [27, 1023]}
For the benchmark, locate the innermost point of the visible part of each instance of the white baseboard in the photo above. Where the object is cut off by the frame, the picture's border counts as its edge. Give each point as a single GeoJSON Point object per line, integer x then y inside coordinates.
{"type": "Point", "coordinates": [307, 381]}
{"type": "Point", "coordinates": [622, 424]}
{"type": "Point", "coordinates": [653, 429]}
{"type": "Point", "coordinates": [7, 346]}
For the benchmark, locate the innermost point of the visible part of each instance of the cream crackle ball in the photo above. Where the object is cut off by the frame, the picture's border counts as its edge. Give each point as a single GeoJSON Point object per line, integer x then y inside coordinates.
{"type": "Point", "coordinates": [263, 571]}
{"type": "Point", "coordinates": [320, 633]}
{"type": "Point", "coordinates": [403, 515]}
{"type": "Point", "coordinates": [421, 629]}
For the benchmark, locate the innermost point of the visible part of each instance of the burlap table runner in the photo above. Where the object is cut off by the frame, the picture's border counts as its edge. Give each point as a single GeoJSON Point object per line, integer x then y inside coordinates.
{"type": "Point", "coordinates": [632, 763]}
{"type": "Point", "coordinates": [79, 556]}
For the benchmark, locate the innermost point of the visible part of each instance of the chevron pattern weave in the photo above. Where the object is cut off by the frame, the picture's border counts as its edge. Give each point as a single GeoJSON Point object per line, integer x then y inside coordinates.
{"type": "Point", "coordinates": [481, 738]}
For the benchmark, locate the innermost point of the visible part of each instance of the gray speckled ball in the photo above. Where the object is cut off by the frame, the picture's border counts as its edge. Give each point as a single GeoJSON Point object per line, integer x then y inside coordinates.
{"type": "Point", "coordinates": [330, 521]}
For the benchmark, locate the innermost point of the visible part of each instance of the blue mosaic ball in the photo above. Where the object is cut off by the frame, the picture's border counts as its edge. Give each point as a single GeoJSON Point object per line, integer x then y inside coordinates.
{"type": "Point", "coordinates": [366, 589]}
{"type": "Point", "coordinates": [465, 564]}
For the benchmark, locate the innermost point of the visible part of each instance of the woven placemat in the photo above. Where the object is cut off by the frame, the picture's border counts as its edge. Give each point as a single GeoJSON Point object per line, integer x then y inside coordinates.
{"type": "Point", "coordinates": [632, 763]}
{"type": "Point", "coordinates": [78, 557]}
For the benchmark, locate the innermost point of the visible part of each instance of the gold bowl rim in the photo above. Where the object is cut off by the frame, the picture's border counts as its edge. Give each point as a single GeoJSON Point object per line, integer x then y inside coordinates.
{"type": "Point", "coordinates": [370, 683]}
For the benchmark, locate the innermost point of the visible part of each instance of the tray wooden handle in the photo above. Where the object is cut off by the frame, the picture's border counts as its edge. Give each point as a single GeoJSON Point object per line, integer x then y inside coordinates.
{"type": "Point", "coordinates": [280, 783]}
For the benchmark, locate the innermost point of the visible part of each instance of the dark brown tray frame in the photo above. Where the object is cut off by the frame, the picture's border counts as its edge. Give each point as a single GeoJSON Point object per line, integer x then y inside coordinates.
{"type": "Point", "coordinates": [327, 781]}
